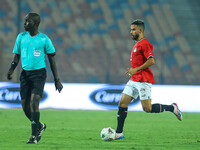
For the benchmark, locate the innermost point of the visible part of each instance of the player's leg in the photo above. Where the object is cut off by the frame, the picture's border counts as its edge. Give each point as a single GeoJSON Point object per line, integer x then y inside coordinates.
{"type": "Point", "coordinates": [145, 97]}
{"type": "Point", "coordinates": [144, 89]}
{"type": "Point", "coordinates": [128, 93]}
{"type": "Point", "coordinates": [155, 108]}
{"type": "Point", "coordinates": [158, 108]}
{"type": "Point", "coordinates": [122, 112]}
{"type": "Point", "coordinates": [146, 105]}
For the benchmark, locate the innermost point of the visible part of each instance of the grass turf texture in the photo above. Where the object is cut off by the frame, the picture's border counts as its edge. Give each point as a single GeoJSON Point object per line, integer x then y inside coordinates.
{"type": "Point", "coordinates": [71, 130]}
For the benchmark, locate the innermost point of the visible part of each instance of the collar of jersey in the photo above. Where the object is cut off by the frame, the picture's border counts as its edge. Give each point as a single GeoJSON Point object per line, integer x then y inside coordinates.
{"type": "Point", "coordinates": [34, 35]}
{"type": "Point", "coordinates": [140, 40]}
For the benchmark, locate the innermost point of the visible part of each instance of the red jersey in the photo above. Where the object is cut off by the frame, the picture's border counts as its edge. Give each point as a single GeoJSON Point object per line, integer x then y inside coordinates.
{"type": "Point", "coordinates": [142, 51]}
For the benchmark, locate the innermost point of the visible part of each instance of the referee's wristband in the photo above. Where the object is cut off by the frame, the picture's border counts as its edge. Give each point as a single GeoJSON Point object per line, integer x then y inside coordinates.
{"type": "Point", "coordinates": [56, 80]}
{"type": "Point", "coordinates": [13, 65]}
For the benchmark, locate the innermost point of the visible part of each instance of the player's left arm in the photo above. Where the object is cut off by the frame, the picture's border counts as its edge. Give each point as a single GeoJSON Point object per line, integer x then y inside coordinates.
{"type": "Point", "coordinates": [147, 64]}
{"type": "Point", "coordinates": [52, 62]}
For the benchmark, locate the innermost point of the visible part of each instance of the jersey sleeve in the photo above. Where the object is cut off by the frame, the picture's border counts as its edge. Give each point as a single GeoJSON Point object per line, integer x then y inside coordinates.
{"type": "Point", "coordinates": [147, 49]}
{"type": "Point", "coordinates": [17, 46]}
{"type": "Point", "coordinates": [49, 48]}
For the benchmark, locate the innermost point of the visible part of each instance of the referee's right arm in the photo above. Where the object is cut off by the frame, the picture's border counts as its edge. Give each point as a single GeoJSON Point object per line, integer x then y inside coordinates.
{"type": "Point", "coordinates": [14, 64]}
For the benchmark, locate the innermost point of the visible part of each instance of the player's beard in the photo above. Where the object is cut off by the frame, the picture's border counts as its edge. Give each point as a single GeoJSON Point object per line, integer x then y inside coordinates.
{"type": "Point", "coordinates": [136, 37]}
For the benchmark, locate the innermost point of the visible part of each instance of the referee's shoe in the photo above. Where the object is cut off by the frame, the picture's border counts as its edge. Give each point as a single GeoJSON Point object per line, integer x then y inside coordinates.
{"type": "Point", "coordinates": [32, 140]}
{"type": "Point", "coordinates": [40, 131]}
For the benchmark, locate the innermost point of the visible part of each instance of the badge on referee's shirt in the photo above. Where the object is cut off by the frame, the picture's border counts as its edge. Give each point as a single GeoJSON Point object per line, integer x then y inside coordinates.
{"type": "Point", "coordinates": [37, 53]}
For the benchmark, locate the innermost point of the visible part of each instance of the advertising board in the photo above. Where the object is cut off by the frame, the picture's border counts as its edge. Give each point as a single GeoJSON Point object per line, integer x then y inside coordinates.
{"type": "Point", "coordinates": [101, 96]}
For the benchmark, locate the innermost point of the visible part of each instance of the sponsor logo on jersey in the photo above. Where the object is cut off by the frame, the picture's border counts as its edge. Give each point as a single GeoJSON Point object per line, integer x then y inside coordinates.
{"type": "Point", "coordinates": [11, 96]}
{"type": "Point", "coordinates": [109, 96]}
{"type": "Point", "coordinates": [135, 50]}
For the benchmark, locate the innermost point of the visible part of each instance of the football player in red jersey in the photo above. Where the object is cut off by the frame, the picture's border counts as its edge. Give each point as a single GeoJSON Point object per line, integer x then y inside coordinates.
{"type": "Point", "coordinates": [141, 79]}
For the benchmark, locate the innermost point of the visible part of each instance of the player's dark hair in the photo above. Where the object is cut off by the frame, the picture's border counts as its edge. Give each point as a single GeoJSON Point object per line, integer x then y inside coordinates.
{"type": "Point", "coordinates": [35, 17]}
{"type": "Point", "coordinates": [139, 23]}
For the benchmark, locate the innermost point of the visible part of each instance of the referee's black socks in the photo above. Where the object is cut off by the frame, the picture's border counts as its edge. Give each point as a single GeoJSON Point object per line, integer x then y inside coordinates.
{"type": "Point", "coordinates": [35, 116]}
{"type": "Point", "coordinates": [157, 108]}
{"type": "Point", "coordinates": [122, 113]}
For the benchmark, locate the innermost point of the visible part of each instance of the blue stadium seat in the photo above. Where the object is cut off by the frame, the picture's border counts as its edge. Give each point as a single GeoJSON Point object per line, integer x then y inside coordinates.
{"type": "Point", "coordinates": [50, 30]}
{"type": "Point", "coordinates": [97, 11]}
{"type": "Point", "coordinates": [66, 10]}
{"type": "Point", "coordinates": [100, 21]}
{"type": "Point", "coordinates": [103, 32]}
{"type": "Point", "coordinates": [7, 29]}
{"type": "Point", "coordinates": [170, 60]}
{"type": "Point", "coordinates": [44, 14]}
{"type": "Point", "coordinates": [114, 27]}
{"type": "Point", "coordinates": [63, 25]}
{"type": "Point", "coordinates": [147, 12]}
{"type": "Point", "coordinates": [118, 14]}
{"type": "Point", "coordinates": [2, 14]}
{"type": "Point", "coordinates": [91, 1]}
{"type": "Point", "coordinates": [153, 1]}
{"type": "Point", "coordinates": [93, 79]}
{"type": "Point", "coordinates": [170, 38]}
{"type": "Point", "coordinates": [92, 28]}
{"type": "Point", "coordinates": [58, 41]}
{"type": "Point", "coordinates": [81, 31]}
{"type": "Point", "coordinates": [52, 4]}
{"type": "Point", "coordinates": [185, 68]}
{"type": "Point", "coordinates": [125, 6]}
{"type": "Point", "coordinates": [175, 48]}
{"type": "Point", "coordinates": [25, 7]}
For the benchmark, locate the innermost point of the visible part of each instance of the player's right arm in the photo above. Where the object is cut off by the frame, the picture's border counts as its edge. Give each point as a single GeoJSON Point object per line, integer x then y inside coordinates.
{"type": "Point", "coordinates": [14, 64]}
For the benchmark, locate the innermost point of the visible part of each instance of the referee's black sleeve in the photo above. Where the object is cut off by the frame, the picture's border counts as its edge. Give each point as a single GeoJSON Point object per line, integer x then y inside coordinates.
{"type": "Point", "coordinates": [52, 54]}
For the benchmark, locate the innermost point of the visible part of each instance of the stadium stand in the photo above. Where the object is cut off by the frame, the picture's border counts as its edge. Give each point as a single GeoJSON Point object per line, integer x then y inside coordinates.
{"type": "Point", "coordinates": [93, 42]}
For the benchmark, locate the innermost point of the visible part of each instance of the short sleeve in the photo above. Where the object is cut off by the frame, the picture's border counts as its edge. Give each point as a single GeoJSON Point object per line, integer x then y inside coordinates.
{"type": "Point", "coordinates": [147, 49]}
{"type": "Point", "coordinates": [49, 48]}
{"type": "Point", "coordinates": [17, 46]}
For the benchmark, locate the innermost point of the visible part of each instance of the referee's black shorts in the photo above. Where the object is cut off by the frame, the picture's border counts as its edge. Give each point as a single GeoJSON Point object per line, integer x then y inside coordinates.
{"type": "Point", "coordinates": [32, 82]}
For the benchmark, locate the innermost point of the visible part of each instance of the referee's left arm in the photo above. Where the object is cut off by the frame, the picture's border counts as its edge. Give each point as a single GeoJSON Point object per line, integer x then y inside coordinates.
{"type": "Point", "coordinates": [52, 62]}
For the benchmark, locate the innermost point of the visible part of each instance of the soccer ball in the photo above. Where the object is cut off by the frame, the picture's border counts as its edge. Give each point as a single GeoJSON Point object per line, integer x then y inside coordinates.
{"type": "Point", "coordinates": [107, 134]}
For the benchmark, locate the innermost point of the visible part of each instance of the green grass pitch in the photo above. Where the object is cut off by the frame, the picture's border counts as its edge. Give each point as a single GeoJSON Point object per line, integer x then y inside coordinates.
{"type": "Point", "coordinates": [80, 130]}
